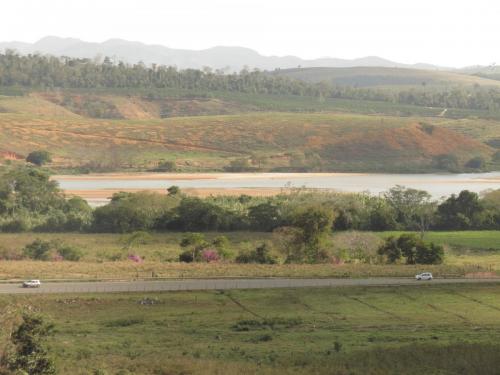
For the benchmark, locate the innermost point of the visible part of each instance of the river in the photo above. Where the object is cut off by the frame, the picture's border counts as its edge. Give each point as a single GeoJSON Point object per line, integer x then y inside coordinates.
{"type": "Point", "coordinates": [97, 187]}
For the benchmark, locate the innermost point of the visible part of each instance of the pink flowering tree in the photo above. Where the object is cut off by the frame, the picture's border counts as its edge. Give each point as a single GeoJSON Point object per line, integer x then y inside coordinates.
{"type": "Point", "coordinates": [210, 255]}
{"type": "Point", "coordinates": [135, 258]}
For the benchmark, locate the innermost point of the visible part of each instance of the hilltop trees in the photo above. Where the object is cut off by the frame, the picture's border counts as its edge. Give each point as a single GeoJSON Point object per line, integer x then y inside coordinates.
{"type": "Point", "coordinates": [49, 72]}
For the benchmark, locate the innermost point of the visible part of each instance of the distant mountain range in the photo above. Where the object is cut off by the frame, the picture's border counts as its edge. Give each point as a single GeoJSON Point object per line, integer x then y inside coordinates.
{"type": "Point", "coordinates": [227, 58]}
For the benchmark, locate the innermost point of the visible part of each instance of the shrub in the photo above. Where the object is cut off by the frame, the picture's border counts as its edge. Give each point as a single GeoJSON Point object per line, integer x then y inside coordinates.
{"type": "Point", "coordinates": [125, 322]}
{"type": "Point", "coordinates": [186, 257]}
{"type": "Point", "coordinates": [135, 258]}
{"type": "Point", "coordinates": [260, 255]}
{"type": "Point", "coordinates": [390, 249]}
{"type": "Point", "coordinates": [408, 243]}
{"type": "Point", "coordinates": [268, 323]}
{"type": "Point", "coordinates": [30, 354]}
{"type": "Point", "coordinates": [337, 346]}
{"type": "Point", "coordinates": [415, 250]}
{"type": "Point", "coordinates": [51, 250]}
{"type": "Point", "coordinates": [10, 254]}
{"type": "Point", "coordinates": [39, 157]}
{"type": "Point", "coordinates": [262, 338]}
{"type": "Point", "coordinates": [193, 239]}
{"type": "Point", "coordinates": [166, 166]}
{"type": "Point", "coordinates": [239, 165]}
{"type": "Point", "coordinates": [70, 253]}
{"type": "Point", "coordinates": [38, 250]}
{"type": "Point", "coordinates": [306, 241]}
{"type": "Point", "coordinates": [477, 162]}
{"type": "Point", "coordinates": [429, 253]}
{"type": "Point", "coordinates": [194, 243]}
{"type": "Point", "coordinates": [174, 190]}
{"type": "Point", "coordinates": [221, 243]}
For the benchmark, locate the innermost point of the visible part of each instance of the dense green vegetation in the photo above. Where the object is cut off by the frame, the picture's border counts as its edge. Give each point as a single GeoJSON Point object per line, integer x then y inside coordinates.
{"type": "Point", "coordinates": [398, 209]}
{"type": "Point", "coordinates": [301, 222]}
{"type": "Point", "coordinates": [28, 353]}
{"type": "Point", "coordinates": [29, 200]}
{"type": "Point", "coordinates": [414, 250]}
{"type": "Point", "coordinates": [391, 330]}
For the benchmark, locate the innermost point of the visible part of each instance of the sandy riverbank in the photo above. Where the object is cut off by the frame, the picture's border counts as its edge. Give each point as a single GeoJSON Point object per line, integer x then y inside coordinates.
{"type": "Point", "coordinates": [195, 176]}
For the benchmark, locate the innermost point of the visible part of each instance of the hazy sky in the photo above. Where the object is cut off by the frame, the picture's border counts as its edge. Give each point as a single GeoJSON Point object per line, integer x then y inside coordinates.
{"type": "Point", "coordinates": [451, 33]}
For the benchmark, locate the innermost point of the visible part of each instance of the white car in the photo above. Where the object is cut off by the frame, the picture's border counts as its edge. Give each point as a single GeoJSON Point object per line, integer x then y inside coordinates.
{"type": "Point", "coordinates": [32, 284]}
{"type": "Point", "coordinates": [424, 276]}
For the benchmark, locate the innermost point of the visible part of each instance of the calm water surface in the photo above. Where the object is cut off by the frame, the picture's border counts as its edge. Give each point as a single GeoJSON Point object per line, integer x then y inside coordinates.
{"type": "Point", "coordinates": [438, 185]}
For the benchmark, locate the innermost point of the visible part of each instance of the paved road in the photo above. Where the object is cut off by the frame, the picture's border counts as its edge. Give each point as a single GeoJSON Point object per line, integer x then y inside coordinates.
{"type": "Point", "coordinates": [219, 284]}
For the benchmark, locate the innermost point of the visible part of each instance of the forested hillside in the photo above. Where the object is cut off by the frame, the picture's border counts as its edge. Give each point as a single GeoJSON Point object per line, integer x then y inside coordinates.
{"type": "Point", "coordinates": [461, 91]}
{"type": "Point", "coordinates": [110, 116]}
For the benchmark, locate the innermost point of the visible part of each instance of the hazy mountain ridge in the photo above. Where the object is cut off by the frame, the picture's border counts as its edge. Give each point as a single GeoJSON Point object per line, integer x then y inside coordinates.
{"type": "Point", "coordinates": [220, 57]}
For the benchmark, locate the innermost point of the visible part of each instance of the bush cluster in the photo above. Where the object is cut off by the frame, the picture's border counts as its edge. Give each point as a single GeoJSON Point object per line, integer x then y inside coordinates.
{"type": "Point", "coordinates": [412, 249]}
{"type": "Point", "coordinates": [51, 250]}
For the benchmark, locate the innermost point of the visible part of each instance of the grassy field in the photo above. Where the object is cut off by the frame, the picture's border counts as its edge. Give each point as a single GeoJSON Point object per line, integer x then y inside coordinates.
{"type": "Point", "coordinates": [471, 241]}
{"type": "Point", "coordinates": [104, 256]}
{"type": "Point", "coordinates": [338, 141]}
{"type": "Point", "coordinates": [385, 77]}
{"type": "Point", "coordinates": [392, 330]}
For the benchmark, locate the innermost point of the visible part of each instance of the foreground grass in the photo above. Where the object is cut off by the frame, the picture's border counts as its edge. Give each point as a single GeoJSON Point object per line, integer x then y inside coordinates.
{"type": "Point", "coordinates": [393, 330]}
{"type": "Point", "coordinates": [104, 257]}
